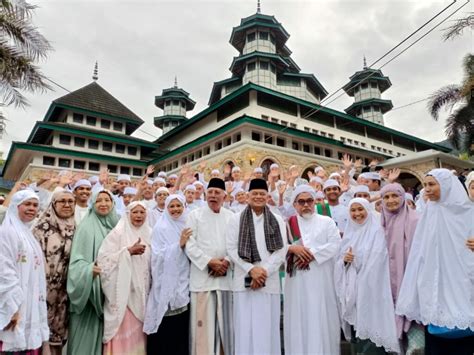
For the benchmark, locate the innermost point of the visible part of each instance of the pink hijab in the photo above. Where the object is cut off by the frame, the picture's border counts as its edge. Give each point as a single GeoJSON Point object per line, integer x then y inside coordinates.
{"type": "Point", "coordinates": [399, 229]}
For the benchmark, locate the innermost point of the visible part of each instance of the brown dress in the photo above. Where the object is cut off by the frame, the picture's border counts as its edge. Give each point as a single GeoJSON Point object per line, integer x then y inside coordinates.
{"type": "Point", "coordinates": [55, 237]}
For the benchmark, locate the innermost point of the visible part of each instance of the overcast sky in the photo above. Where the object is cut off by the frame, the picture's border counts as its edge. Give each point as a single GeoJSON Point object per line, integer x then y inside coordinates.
{"type": "Point", "coordinates": [142, 45]}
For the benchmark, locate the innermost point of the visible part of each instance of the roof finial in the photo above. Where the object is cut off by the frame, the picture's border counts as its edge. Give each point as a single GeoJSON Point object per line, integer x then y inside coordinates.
{"type": "Point", "coordinates": [95, 76]}
{"type": "Point", "coordinates": [258, 7]}
{"type": "Point", "coordinates": [365, 62]}
{"type": "Point", "coordinates": [175, 81]}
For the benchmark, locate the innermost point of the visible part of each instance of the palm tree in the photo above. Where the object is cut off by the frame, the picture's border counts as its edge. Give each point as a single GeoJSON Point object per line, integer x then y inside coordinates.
{"type": "Point", "coordinates": [21, 47]}
{"type": "Point", "coordinates": [458, 99]}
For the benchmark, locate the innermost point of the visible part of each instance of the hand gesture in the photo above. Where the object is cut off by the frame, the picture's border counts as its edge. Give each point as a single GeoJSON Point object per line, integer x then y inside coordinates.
{"type": "Point", "coordinates": [259, 276]}
{"type": "Point", "coordinates": [294, 172]}
{"type": "Point", "coordinates": [202, 166]}
{"type": "Point", "coordinates": [349, 257]}
{"type": "Point", "coordinates": [374, 163]}
{"type": "Point", "coordinates": [65, 179]}
{"type": "Point", "coordinates": [470, 243]}
{"type": "Point", "coordinates": [218, 266]}
{"type": "Point", "coordinates": [227, 170]}
{"type": "Point", "coordinates": [302, 253]}
{"type": "Point", "coordinates": [104, 176]}
{"type": "Point", "coordinates": [185, 235]}
{"type": "Point", "coordinates": [346, 162]}
{"type": "Point", "coordinates": [393, 175]}
{"type": "Point", "coordinates": [150, 169]}
{"type": "Point", "coordinates": [137, 248]}
{"type": "Point", "coordinates": [185, 170]}
{"type": "Point", "coordinates": [247, 176]}
{"type": "Point", "coordinates": [13, 322]}
{"type": "Point", "coordinates": [229, 187]}
{"type": "Point", "coordinates": [344, 186]}
{"type": "Point", "coordinates": [383, 173]}
{"type": "Point", "coordinates": [358, 163]}
{"type": "Point", "coordinates": [282, 188]}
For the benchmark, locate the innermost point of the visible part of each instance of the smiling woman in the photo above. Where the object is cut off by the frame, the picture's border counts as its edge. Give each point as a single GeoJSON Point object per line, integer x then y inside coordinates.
{"type": "Point", "coordinates": [54, 231]}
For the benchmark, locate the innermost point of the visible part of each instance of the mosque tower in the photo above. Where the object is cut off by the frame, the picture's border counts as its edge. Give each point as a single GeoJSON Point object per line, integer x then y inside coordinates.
{"type": "Point", "coordinates": [174, 102]}
{"type": "Point", "coordinates": [367, 86]}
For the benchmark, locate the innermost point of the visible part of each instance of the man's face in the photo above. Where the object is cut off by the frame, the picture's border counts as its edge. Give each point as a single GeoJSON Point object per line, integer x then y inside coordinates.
{"type": "Point", "coordinates": [374, 185]}
{"type": "Point", "coordinates": [304, 204]}
{"type": "Point", "coordinates": [82, 194]}
{"type": "Point", "coordinates": [215, 198]}
{"type": "Point", "coordinates": [199, 191]}
{"type": "Point", "coordinates": [258, 175]}
{"type": "Point", "coordinates": [127, 198]}
{"type": "Point", "coordinates": [172, 181]}
{"type": "Point", "coordinates": [365, 195]}
{"type": "Point", "coordinates": [161, 198]}
{"type": "Point", "coordinates": [332, 193]}
{"type": "Point", "coordinates": [241, 197]}
{"type": "Point", "coordinates": [122, 184]}
{"type": "Point", "coordinates": [236, 175]}
{"type": "Point", "coordinates": [257, 198]}
{"type": "Point", "coordinates": [189, 195]}
{"type": "Point", "coordinates": [148, 192]}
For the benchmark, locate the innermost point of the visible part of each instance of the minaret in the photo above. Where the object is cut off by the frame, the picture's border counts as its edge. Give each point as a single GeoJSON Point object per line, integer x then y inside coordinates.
{"type": "Point", "coordinates": [367, 86]}
{"type": "Point", "coordinates": [174, 102]}
{"type": "Point", "coordinates": [95, 76]}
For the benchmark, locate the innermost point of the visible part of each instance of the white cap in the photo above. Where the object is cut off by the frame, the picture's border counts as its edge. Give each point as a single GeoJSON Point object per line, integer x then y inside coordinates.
{"type": "Point", "coordinates": [159, 179]}
{"type": "Point", "coordinates": [130, 191]}
{"type": "Point", "coordinates": [409, 197]}
{"type": "Point", "coordinates": [162, 174]}
{"type": "Point", "coordinates": [215, 171]}
{"type": "Point", "coordinates": [330, 183]}
{"type": "Point", "coordinates": [198, 183]}
{"type": "Point", "coordinates": [173, 176]}
{"type": "Point", "coordinates": [63, 172]}
{"type": "Point", "coordinates": [235, 168]}
{"type": "Point", "coordinates": [320, 194]}
{"type": "Point", "coordinates": [318, 169]}
{"type": "Point", "coordinates": [82, 182]}
{"type": "Point", "coordinates": [258, 170]}
{"type": "Point", "coordinates": [274, 166]}
{"type": "Point", "coordinates": [316, 179]}
{"type": "Point", "coordinates": [124, 177]}
{"type": "Point", "coordinates": [372, 176]}
{"type": "Point", "coordinates": [161, 189]}
{"type": "Point", "coordinates": [361, 189]}
{"type": "Point", "coordinates": [335, 175]}
{"type": "Point", "coordinates": [149, 182]}
{"type": "Point", "coordinates": [190, 188]}
{"type": "Point", "coordinates": [94, 179]}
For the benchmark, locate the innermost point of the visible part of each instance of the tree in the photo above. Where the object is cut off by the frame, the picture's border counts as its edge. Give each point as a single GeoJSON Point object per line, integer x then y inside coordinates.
{"type": "Point", "coordinates": [21, 47]}
{"type": "Point", "coordinates": [458, 99]}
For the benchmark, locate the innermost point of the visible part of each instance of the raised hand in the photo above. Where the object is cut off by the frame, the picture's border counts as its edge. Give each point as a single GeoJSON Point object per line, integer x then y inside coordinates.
{"type": "Point", "coordinates": [282, 188]}
{"type": "Point", "coordinates": [65, 179]}
{"type": "Point", "coordinates": [247, 176]}
{"type": "Point", "coordinates": [358, 163]}
{"type": "Point", "coordinates": [294, 172]}
{"type": "Point", "coordinates": [393, 175]}
{"type": "Point", "coordinates": [374, 163]}
{"type": "Point", "coordinates": [185, 235]}
{"type": "Point", "coordinates": [346, 162]}
{"type": "Point", "coordinates": [104, 176]}
{"type": "Point", "coordinates": [202, 166]}
{"type": "Point", "coordinates": [150, 169]}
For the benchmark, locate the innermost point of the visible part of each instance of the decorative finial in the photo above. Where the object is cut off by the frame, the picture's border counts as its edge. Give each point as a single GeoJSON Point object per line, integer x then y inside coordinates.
{"type": "Point", "coordinates": [365, 62]}
{"type": "Point", "coordinates": [95, 76]}
{"type": "Point", "coordinates": [175, 81]}
{"type": "Point", "coordinates": [258, 7]}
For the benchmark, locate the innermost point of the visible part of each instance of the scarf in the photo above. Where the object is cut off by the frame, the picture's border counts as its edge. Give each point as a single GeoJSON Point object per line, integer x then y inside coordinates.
{"type": "Point", "coordinates": [294, 237]}
{"type": "Point", "coordinates": [248, 250]}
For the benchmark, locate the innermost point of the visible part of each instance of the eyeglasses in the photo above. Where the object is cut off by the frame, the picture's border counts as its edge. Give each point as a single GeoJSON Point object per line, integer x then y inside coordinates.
{"type": "Point", "coordinates": [66, 202]}
{"type": "Point", "coordinates": [308, 201]}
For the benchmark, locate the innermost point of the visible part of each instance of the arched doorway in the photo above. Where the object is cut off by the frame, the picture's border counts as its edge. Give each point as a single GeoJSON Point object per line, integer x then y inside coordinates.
{"type": "Point", "coordinates": [265, 165]}
{"type": "Point", "coordinates": [410, 182]}
{"type": "Point", "coordinates": [229, 164]}
{"type": "Point", "coordinates": [305, 175]}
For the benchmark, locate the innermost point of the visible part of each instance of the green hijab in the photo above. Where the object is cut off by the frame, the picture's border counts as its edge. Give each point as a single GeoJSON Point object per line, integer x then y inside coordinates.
{"type": "Point", "coordinates": [81, 285]}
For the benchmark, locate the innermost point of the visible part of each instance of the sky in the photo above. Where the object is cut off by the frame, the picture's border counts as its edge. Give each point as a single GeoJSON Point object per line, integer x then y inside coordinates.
{"type": "Point", "coordinates": [142, 45]}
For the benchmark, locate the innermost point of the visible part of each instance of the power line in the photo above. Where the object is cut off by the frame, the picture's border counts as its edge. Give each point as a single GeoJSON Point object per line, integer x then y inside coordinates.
{"type": "Point", "coordinates": [409, 104]}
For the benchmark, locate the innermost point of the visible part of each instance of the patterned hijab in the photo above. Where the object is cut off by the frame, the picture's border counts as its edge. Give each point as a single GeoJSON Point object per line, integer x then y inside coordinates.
{"type": "Point", "coordinates": [50, 223]}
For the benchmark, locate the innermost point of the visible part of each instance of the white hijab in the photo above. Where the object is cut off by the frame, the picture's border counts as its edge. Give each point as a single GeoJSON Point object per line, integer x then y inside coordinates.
{"type": "Point", "coordinates": [22, 281]}
{"type": "Point", "coordinates": [438, 286]}
{"type": "Point", "coordinates": [123, 272]}
{"type": "Point", "coordinates": [363, 287]}
{"type": "Point", "coordinates": [170, 268]}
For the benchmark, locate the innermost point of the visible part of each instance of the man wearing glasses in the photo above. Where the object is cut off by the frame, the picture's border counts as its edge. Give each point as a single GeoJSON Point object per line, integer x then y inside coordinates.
{"type": "Point", "coordinates": [311, 324]}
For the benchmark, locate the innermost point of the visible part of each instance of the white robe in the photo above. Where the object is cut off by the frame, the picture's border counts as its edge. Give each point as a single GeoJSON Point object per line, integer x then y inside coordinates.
{"type": "Point", "coordinates": [153, 215]}
{"type": "Point", "coordinates": [256, 312]}
{"type": "Point", "coordinates": [311, 323]}
{"type": "Point", "coordinates": [80, 213]}
{"type": "Point", "coordinates": [340, 215]}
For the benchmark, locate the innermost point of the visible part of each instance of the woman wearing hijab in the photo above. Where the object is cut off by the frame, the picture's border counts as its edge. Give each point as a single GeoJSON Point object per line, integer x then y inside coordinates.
{"type": "Point", "coordinates": [124, 259]}
{"type": "Point", "coordinates": [23, 313]}
{"type": "Point", "coordinates": [83, 283]}
{"type": "Point", "coordinates": [54, 231]}
{"type": "Point", "coordinates": [399, 221]}
{"type": "Point", "coordinates": [470, 185]}
{"type": "Point", "coordinates": [167, 312]}
{"type": "Point", "coordinates": [363, 283]}
{"type": "Point", "coordinates": [438, 287]}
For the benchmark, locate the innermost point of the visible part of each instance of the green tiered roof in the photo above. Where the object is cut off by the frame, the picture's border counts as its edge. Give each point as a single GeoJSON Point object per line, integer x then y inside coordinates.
{"type": "Point", "coordinates": [364, 76]}
{"type": "Point", "coordinates": [176, 94]}
{"type": "Point", "coordinates": [385, 105]}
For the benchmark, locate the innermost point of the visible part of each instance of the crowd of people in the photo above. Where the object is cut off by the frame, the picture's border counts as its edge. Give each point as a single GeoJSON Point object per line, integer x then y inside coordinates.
{"type": "Point", "coordinates": [195, 264]}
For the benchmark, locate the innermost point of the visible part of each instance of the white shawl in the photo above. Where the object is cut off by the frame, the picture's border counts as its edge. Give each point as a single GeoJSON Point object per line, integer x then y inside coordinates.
{"type": "Point", "coordinates": [22, 281]}
{"type": "Point", "coordinates": [125, 278]}
{"type": "Point", "coordinates": [170, 269]}
{"type": "Point", "coordinates": [438, 286]}
{"type": "Point", "coordinates": [363, 287]}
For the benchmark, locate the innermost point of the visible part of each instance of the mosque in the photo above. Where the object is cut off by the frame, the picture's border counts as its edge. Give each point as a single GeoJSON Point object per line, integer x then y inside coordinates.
{"type": "Point", "coordinates": [267, 111]}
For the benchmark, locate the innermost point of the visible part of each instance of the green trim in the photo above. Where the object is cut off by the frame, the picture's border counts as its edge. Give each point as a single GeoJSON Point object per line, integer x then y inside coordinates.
{"type": "Point", "coordinates": [88, 133]}
{"type": "Point", "coordinates": [386, 104]}
{"type": "Point", "coordinates": [252, 86]}
{"type": "Point", "coordinates": [177, 95]}
{"type": "Point", "coordinates": [216, 87]}
{"type": "Point", "coordinates": [264, 124]}
{"type": "Point", "coordinates": [255, 23]}
{"type": "Point", "coordinates": [363, 76]}
{"type": "Point", "coordinates": [89, 112]}
{"type": "Point", "coordinates": [312, 78]}
{"type": "Point", "coordinates": [254, 54]}
{"type": "Point", "coordinates": [74, 153]}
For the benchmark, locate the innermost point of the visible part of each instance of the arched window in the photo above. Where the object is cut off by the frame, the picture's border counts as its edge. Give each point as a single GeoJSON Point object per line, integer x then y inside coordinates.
{"type": "Point", "coordinates": [266, 167]}
{"type": "Point", "coordinates": [231, 164]}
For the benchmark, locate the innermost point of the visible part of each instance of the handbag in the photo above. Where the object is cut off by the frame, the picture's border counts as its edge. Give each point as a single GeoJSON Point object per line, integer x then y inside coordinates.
{"type": "Point", "coordinates": [449, 333]}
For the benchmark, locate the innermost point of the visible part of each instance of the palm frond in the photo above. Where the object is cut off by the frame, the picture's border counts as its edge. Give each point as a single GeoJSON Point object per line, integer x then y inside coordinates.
{"type": "Point", "coordinates": [458, 27]}
{"type": "Point", "coordinates": [460, 127]}
{"type": "Point", "coordinates": [447, 96]}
